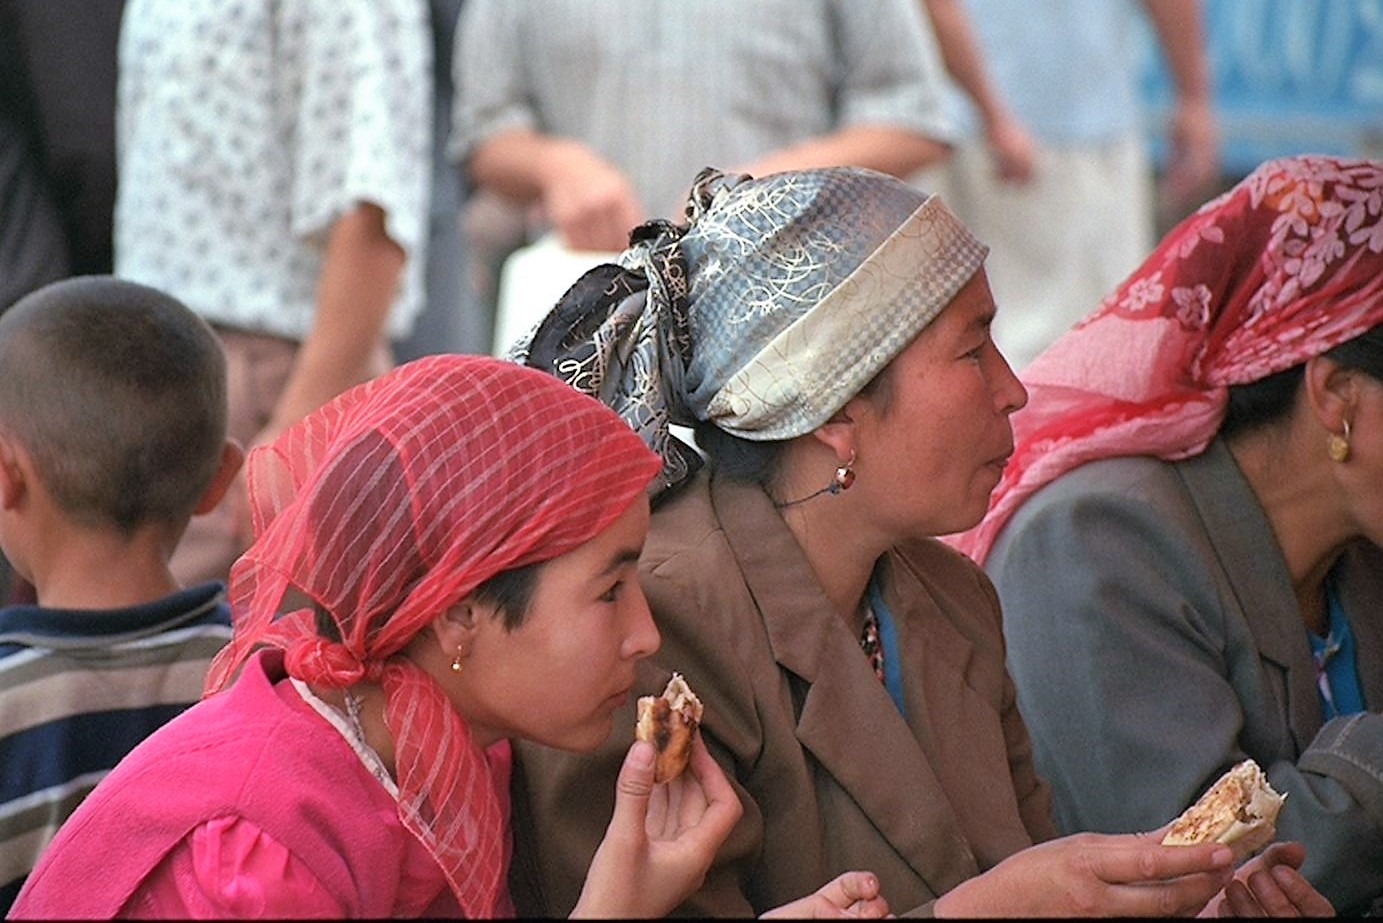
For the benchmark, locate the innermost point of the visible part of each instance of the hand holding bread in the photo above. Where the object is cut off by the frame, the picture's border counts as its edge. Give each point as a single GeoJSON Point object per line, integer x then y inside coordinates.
{"type": "Point", "coordinates": [662, 836]}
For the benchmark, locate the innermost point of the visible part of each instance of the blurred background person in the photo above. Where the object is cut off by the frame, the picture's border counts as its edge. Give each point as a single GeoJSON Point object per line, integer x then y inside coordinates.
{"type": "Point", "coordinates": [444, 325]}
{"type": "Point", "coordinates": [273, 174]}
{"type": "Point", "coordinates": [57, 82]}
{"type": "Point", "coordinates": [1056, 168]}
{"type": "Point", "coordinates": [598, 111]}
{"type": "Point", "coordinates": [33, 245]}
{"type": "Point", "coordinates": [57, 154]}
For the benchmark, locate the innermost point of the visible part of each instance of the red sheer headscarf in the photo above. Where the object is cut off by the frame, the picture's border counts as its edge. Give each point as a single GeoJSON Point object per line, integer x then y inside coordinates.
{"type": "Point", "coordinates": [1282, 268]}
{"type": "Point", "coordinates": [386, 507]}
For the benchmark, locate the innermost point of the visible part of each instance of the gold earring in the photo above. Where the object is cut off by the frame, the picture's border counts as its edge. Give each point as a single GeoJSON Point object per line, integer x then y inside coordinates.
{"type": "Point", "coordinates": [1337, 446]}
{"type": "Point", "coordinates": [844, 476]}
{"type": "Point", "coordinates": [456, 663]}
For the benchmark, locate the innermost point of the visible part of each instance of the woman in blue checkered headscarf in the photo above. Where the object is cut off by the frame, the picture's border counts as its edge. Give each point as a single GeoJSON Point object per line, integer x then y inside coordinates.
{"type": "Point", "coordinates": [764, 314]}
{"type": "Point", "coordinates": [826, 334]}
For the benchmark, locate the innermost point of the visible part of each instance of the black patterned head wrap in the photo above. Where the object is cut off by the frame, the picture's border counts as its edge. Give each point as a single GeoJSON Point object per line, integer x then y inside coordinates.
{"type": "Point", "coordinates": [769, 309]}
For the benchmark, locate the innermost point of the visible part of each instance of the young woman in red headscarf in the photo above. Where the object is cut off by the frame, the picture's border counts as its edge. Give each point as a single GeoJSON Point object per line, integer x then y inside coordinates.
{"type": "Point", "coordinates": [1187, 539]}
{"type": "Point", "coordinates": [445, 559]}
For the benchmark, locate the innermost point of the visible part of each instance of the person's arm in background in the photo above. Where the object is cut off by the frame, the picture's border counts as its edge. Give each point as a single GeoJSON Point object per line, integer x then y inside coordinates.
{"type": "Point", "coordinates": [362, 175]}
{"type": "Point", "coordinates": [1193, 157]}
{"type": "Point", "coordinates": [889, 117]}
{"type": "Point", "coordinates": [502, 145]}
{"type": "Point", "coordinates": [588, 199]}
{"type": "Point", "coordinates": [890, 110]}
{"type": "Point", "coordinates": [885, 148]}
{"type": "Point", "coordinates": [361, 187]}
{"type": "Point", "coordinates": [1014, 150]}
{"type": "Point", "coordinates": [360, 275]}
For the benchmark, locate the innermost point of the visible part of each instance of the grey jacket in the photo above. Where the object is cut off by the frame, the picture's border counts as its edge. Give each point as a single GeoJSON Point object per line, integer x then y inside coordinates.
{"type": "Point", "coordinates": [1155, 639]}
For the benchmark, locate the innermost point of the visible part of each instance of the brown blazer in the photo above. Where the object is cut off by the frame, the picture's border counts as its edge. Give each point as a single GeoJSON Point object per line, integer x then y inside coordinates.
{"type": "Point", "coordinates": [831, 775]}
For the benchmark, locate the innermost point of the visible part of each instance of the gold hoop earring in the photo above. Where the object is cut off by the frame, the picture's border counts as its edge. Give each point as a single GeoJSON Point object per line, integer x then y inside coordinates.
{"type": "Point", "coordinates": [844, 476]}
{"type": "Point", "coordinates": [456, 663]}
{"type": "Point", "coordinates": [1337, 446]}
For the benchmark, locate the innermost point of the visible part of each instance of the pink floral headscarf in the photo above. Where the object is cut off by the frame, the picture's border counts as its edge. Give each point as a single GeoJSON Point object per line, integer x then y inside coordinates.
{"type": "Point", "coordinates": [387, 506]}
{"type": "Point", "coordinates": [1282, 268]}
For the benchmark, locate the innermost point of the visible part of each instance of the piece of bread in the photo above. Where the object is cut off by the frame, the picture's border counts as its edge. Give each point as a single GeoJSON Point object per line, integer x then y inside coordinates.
{"type": "Point", "coordinates": [1239, 810]}
{"type": "Point", "coordinates": [669, 722]}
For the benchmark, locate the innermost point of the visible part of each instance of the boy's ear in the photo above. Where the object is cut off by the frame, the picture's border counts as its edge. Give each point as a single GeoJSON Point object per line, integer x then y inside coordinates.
{"type": "Point", "coordinates": [14, 481]}
{"type": "Point", "coordinates": [232, 456]}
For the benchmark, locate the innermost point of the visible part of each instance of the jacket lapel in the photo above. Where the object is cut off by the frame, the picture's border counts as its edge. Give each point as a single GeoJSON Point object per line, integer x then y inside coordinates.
{"type": "Point", "coordinates": [1243, 542]}
{"type": "Point", "coordinates": [1361, 588]}
{"type": "Point", "coordinates": [846, 720]}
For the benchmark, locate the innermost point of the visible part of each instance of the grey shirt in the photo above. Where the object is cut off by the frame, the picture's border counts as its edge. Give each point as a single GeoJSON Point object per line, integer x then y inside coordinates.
{"type": "Point", "coordinates": [663, 88]}
{"type": "Point", "coordinates": [1155, 640]}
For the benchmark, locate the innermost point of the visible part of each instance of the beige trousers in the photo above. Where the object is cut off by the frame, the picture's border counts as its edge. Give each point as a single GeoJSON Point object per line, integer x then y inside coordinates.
{"type": "Point", "coordinates": [1059, 244]}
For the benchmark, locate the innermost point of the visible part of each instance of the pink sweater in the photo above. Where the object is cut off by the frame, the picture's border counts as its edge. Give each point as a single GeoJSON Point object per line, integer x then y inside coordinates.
{"type": "Point", "coordinates": [255, 763]}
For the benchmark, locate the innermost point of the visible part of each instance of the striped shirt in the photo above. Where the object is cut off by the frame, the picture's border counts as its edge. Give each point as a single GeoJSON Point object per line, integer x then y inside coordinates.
{"type": "Point", "coordinates": [662, 88]}
{"type": "Point", "coordinates": [78, 690]}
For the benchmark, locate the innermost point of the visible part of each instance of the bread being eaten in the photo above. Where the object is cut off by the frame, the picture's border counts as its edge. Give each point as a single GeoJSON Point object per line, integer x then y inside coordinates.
{"type": "Point", "coordinates": [669, 722]}
{"type": "Point", "coordinates": [1239, 810]}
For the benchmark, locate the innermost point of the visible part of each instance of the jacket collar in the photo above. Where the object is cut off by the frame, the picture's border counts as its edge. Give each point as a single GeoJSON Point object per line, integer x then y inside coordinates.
{"type": "Point", "coordinates": [846, 718]}
{"type": "Point", "coordinates": [1242, 538]}
{"type": "Point", "coordinates": [1360, 582]}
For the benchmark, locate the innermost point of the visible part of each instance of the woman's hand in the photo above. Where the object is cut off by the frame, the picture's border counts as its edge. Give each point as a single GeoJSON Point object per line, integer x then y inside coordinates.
{"type": "Point", "coordinates": [1092, 874]}
{"type": "Point", "coordinates": [1271, 885]}
{"type": "Point", "coordinates": [854, 894]}
{"type": "Point", "coordinates": [662, 839]}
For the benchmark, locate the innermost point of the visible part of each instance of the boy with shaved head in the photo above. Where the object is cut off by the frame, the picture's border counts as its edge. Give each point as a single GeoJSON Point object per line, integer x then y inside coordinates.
{"type": "Point", "coordinates": [112, 435]}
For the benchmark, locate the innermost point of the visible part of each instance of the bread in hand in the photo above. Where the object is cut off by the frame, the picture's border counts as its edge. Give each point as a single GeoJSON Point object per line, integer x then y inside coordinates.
{"type": "Point", "coordinates": [1239, 810]}
{"type": "Point", "coordinates": [669, 722]}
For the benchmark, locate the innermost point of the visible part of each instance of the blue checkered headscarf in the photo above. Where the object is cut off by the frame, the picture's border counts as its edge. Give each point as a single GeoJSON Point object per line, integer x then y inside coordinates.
{"type": "Point", "coordinates": [770, 308]}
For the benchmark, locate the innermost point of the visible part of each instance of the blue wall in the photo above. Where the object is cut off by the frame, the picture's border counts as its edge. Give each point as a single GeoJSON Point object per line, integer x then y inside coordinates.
{"type": "Point", "coordinates": [1291, 76]}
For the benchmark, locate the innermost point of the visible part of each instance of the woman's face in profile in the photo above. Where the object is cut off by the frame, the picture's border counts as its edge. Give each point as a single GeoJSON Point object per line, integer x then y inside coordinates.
{"type": "Point", "coordinates": [558, 678]}
{"type": "Point", "coordinates": [933, 454]}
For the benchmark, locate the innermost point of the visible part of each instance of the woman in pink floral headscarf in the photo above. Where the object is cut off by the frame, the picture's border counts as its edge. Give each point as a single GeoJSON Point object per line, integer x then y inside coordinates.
{"type": "Point", "coordinates": [1186, 540]}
